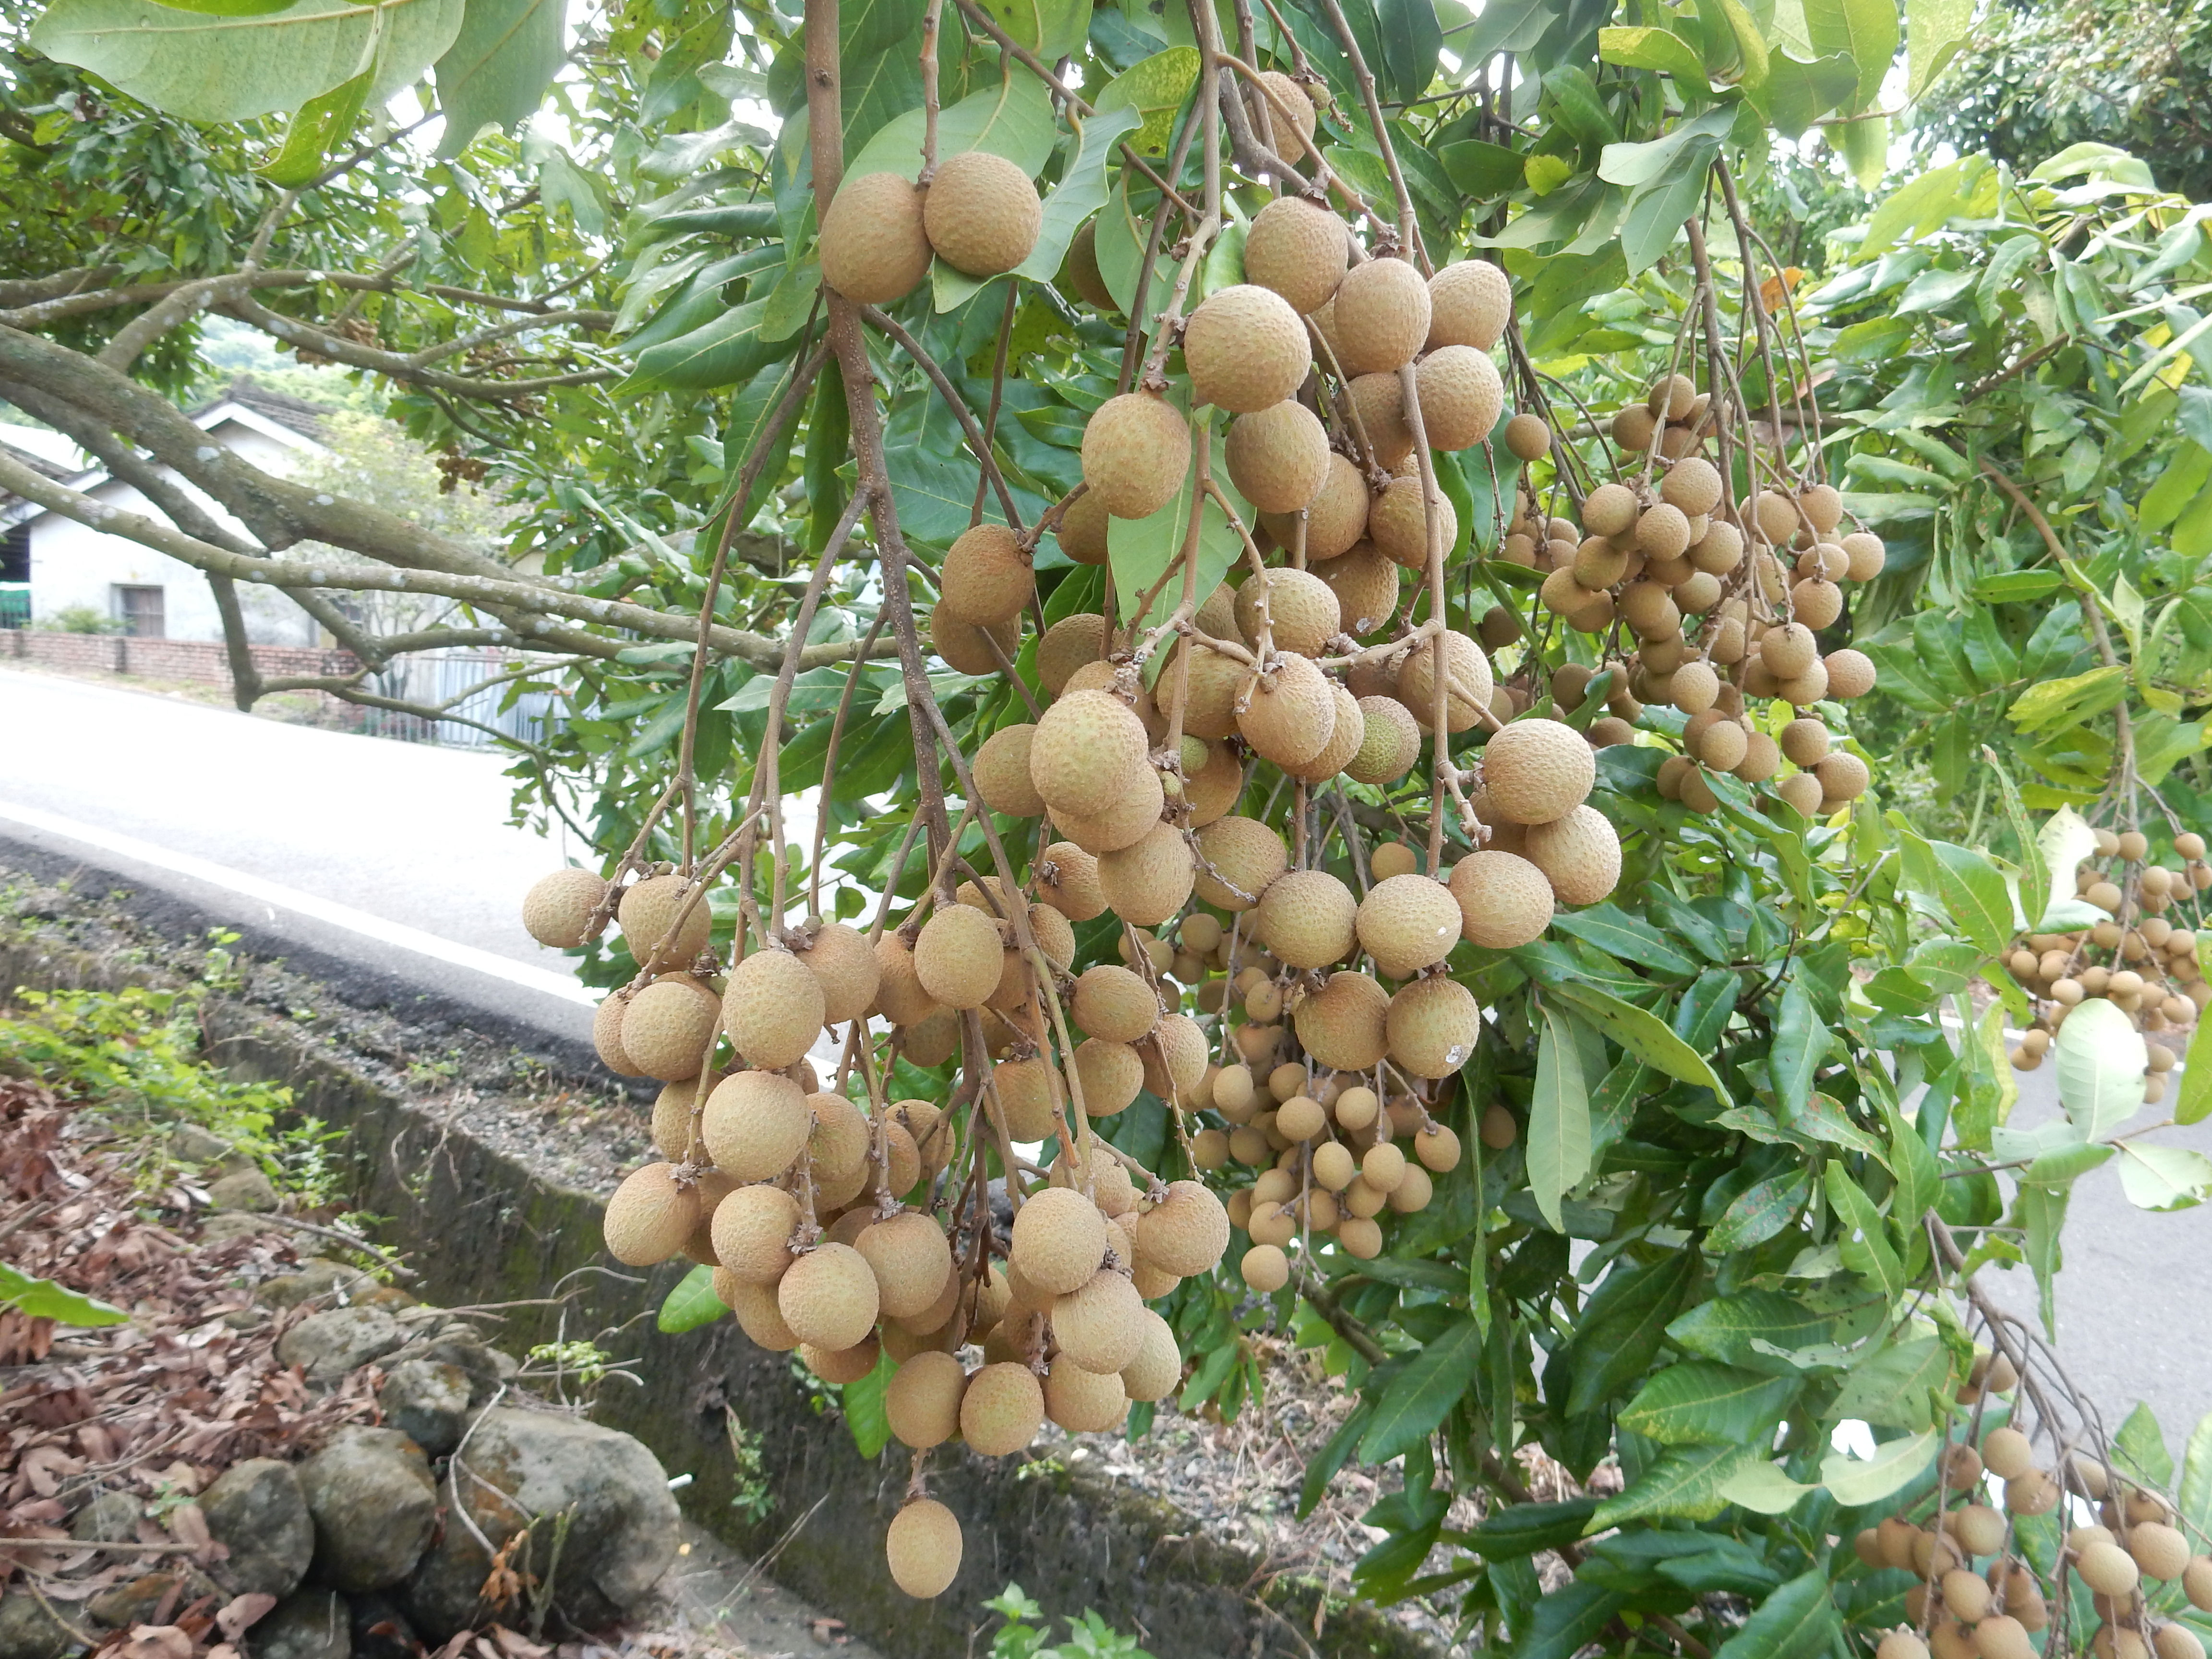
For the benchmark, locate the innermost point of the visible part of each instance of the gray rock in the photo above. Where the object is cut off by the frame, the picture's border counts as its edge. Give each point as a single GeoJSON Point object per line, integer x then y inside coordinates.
{"type": "Point", "coordinates": [248, 1190]}
{"type": "Point", "coordinates": [260, 1512]}
{"type": "Point", "coordinates": [110, 1518]}
{"type": "Point", "coordinates": [326, 1345]}
{"type": "Point", "coordinates": [27, 1630]}
{"type": "Point", "coordinates": [317, 1279]}
{"type": "Point", "coordinates": [427, 1402]}
{"type": "Point", "coordinates": [526, 1470]}
{"type": "Point", "coordinates": [191, 1143]}
{"type": "Point", "coordinates": [309, 1623]}
{"type": "Point", "coordinates": [374, 1506]}
{"type": "Point", "coordinates": [380, 1630]}
{"type": "Point", "coordinates": [460, 1344]}
{"type": "Point", "coordinates": [223, 1227]}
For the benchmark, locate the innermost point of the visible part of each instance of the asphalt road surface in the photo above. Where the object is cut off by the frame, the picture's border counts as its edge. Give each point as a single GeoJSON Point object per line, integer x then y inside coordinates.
{"type": "Point", "coordinates": [395, 861]}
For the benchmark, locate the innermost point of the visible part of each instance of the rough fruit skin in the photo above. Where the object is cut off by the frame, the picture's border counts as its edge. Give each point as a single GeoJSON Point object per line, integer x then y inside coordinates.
{"type": "Point", "coordinates": [1071, 885]}
{"type": "Point", "coordinates": [1239, 857]}
{"type": "Point", "coordinates": [922, 1400]}
{"type": "Point", "coordinates": [557, 909]}
{"type": "Point", "coordinates": [873, 247]}
{"type": "Point", "coordinates": [1504, 901]}
{"type": "Point", "coordinates": [1307, 917]}
{"type": "Point", "coordinates": [1146, 882]}
{"type": "Point", "coordinates": [1002, 772]}
{"type": "Point", "coordinates": [968, 648]}
{"type": "Point", "coordinates": [1136, 449]}
{"type": "Point", "coordinates": [752, 1233]}
{"type": "Point", "coordinates": [1068, 644]}
{"type": "Point", "coordinates": [1302, 612]}
{"type": "Point", "coordinates": [1246, 350]}
{"type": "Point", "coordinates": [1278, 456]}
{"type": "Point", "coordinates": [1469, 304]}
{"type": "Point", "coordinates": [647, 910]}
{"type": "Point", "coordinates": [1537, 770]}
{"type": "Point", "coordinates": [756, 1122]}
{"type": "Point", "coordinates": [758, 1316]}
{"type": "Point", "coordinates": [1407, 923]}
{"type": "Point", "coordinates": [1085, 1402]}
{"type": "Point", "coordinates": [667, 1026]}
{"type": "Point", "coordinates": [828, 1297]}
{"type": "Point", "coordinates": [1084, 753]}
{"type": "Point", "coordinates": [1080, 274]}
{"type": "Point", "coordinates": [1366, 586]}
{"type": "Point", "coordinates": [844, 1365]}
{"type": "Point", "coordinates": [923, 1548]}
{"type": "Point", "coordinates": [1432, 1025]}
{"type": "Point", "coordinates": [1289, 114]}
{"type": "Point", "coordinates": [1610, 510]}
{"type": "Point", "coordinates": [1156, 1372]}
{"type": "Point", "coordinates": [1214, 787]}
{"type": "Point", "coordinates": [1174, 1058]}
{"type": "Point", "coordinates": [957, 955]}
{"type": "Point", "coordinates": [1266, 1269]}
{"type": "Point", "coordinates": [1389, 746]}
{"type": "Point", "coordinates": [843, 963]}
{"type": "Point", "coordinates": [900, 997]}
{"type": "Point", "coordinates": [1058, 1239]}
{"type": "Point", "coordinates": [1344, 740]}
{"type": "Point", "coordinates": [986, 578]}
{"type": "Point", "coordinates": [1579, 854]}
{"type": "Point", "coordinates": [911, 1260]}
{"type": "Point", "coordinates": [1100, 1326]}
{"type": "Point", "coordinates": [1397, 523]}
{"type": "Point", "coordinates": [1379, 402]}
{"type": "Point", "coordinates": [981, 213]}
{"type": "Point", "coordinates": [650, 1216]}
{"type": "Point", "coordinates": [1110, 1074]}
{"type": "Point", "coordinates": [772, 1009]}
{"type": "Point", "coordinates": [1340, 1026]}
{"type": "Point", "coordinates": [1850, 674]}
{"type": "Point", "coordinates": [1381, 316]}
{"type": "Point", "coordinates": [1291, 715]}
{"type": "Point", "coordinates": [1213, 682]}
{"type": "Point", "coordinates": [1186, 1232]}
{"type": "Point", "coordinates": [1462, 396]}
{"type": "Point", "coordinates": [1467, 682]}
{"type": "Point", "coordinates": [1002, 1409]}
{"type": "Point", "coordinates": [1299, 249]}
{"type": "Point", "coordinates": [1125, 822]}
{"type": "Point", "coordinates": [1336, 518]}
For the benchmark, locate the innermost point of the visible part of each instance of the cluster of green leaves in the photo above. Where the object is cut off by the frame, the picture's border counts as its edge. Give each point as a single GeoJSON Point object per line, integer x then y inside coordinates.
{"type": "Point", "coordinates": [1026, 1632]}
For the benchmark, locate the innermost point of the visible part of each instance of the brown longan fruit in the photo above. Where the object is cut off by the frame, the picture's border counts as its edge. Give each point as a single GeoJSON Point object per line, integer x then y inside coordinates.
{"type": "Point", "coordinates": [1086, 752]}
{"type": "Point", "coordinates": [1527, 437]}
{"type": "Point", "coordinates": [1816, 602]}
{"type": "Point", "coordinates": [1307, 917]}
{"type": "Point", "coordinates": [1843, 776]}
{"type": "Point", "coordinates": [647, 911]}
{"type": "Point", "coordinates": [1901, 1644]}
{"type": "Point", "coordinates": [844, 965]}
{"type": "Point", "coordinates": [1186, 1232]}
{"type": "Point", "coordinates": [986, 578]}
{"type": "Point", "coordinates": [1246, 350]}
{"type": "Point", "coordinates": [981, 213]}
{"type": "Point", "coordinates": [2160, 1550]}
{"type": "Point", "coordinates": [1239, 857]}
{"type": "Point", "coordinates": [1381, 314]}
{"type": "Point", "coordinates": [1288, 113]}
{"type": "Point", "coordinates": [754, 1124]}
{"type": "Point", "coordinates": [922, 1399]}
{"type": "Point", "coordinates": [969, 649]}
{"type": "Point", "coordinates": [1292, 714]}
{"type": "Point", "coordinates": [1803, 792]}
{"type": "Point", "coordinates": [772, 1009]}
{"type": "Point", "coordinates": [1503, 900]}
{"type": "Point", "coordinates": [1265, 1268]}
{"type": "Point", "coordinates": [1136, 452]}
{"type": "Point", "coordinates": [1157, 1370]}
{"type": "Point", "coordinates": [1398, 524]}
{"type": "Point", "coordinates": [1389, 743]}
{"type": "Point", "coordinates": [1467, 676]}
{"type": "Point", "coordinates": [559, 909]}
{"type": "Point", "coordinates": [1147, 881]}
{"type": "Point", "coordinates": [1868, 554]}
{"type": "Point", "coordinates": [1299, 249]}
{"type": "Point", "coordinates": [1366, 586]}
{"type": "Point", "coordinates": [1805, 741]}
{"type": "Point", "coordinates": [1966, 1595]}
{"type": "Point", "coordinates": [1437, 1148]}
{"type": "Point", "coordinates": [667, 1027]}
{"type": "Point", "coordinates": [873, 247]}
{"type": "Point", "coordinates": [1001, 1409]}
{"type": "Point", "coordinates": [923, 1548]}
{"type": "Point", "coordinates": [1378, 408]}
{"type": "Point", "coordinates": [958, 956]}
{"type": "Point", "coordinates": [911, 1258]}
{"type": "Point", "coordinates": [1432, 1025]}
{"type": "Point", "coordinates": [2196, 1582]}
{"type": "Point", "coordinates": [1579, 854]}
{"type": "Point", "coordinates": [1977, 1527]}
{"type": "Point", "coordinates": [1002, 771]}
{"type": "Point", "coordinates": [1059, 1240]}
{"type": "Point", "coordinates": [1850, 674]}
{"type": "Point", "coordinates": [1110, 1075]}
{"type": "Point", "coordinates": [2000, 1636]}
{"type": "Point", "coordinates": [1341, 1024]}
{"type": "Point", "coordinates": [1067, 645]}
{"type": "Point", "coordinates": [752, 1231]}
{"type": "Point", "coordinates": [1079, 273]}
{"type": "Point", "coordinates": [1407, 923]}
{"type": "Point", "coordinates": [1083, 1401]}
{"type": "Point", "coordinates": [1610, 510]}
{"type": "Point", "coordinates": [1113, 1003]}
{"type": "Point", "coordinates": [828, 1297]}
{"type": "Point", "coordinates": [650, 1216]}
{"type": "Point", "coordinates": [1470, 302]}
{"type": "Point", "coordinates": [1788, 650]}
{"type": "Point", "coordinates": [1067, 880]}
{"type": "Point", "coordinates": [2108, 1569]}
{"type": "Point", "coordinates": [1099, 1325]}
{"type": "Point", "coordinates": [844, 1365]}
{"type": "Point", "coordinates": [1334, 1166]}
{"type": "Point", "coordinates": [1278, 456]}
{"type": "Point", "coordinates": [1462, 396]}
{"type": "Point", "coordinates": [2174, 1640]}
{"type": "Point", "coordinates": [1535, 771]}
{"type": "Point", "coordinates": [1302, 614]}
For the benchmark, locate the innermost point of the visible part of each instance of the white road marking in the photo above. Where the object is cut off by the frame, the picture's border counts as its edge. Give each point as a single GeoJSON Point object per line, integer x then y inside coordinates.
{"type": "Point", "coordinates": [274, 895]}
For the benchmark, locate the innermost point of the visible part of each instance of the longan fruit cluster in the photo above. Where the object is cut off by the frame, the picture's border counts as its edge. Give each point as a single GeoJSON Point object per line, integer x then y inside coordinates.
{"type": "Point", "coordinates": [2142, 961]}
{"type": "Point", "coordinates": [976, 212]}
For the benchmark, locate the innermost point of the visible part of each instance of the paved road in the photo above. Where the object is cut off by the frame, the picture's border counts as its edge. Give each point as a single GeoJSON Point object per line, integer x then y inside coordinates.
{"type": "Point", "coordinates": [396, 858]}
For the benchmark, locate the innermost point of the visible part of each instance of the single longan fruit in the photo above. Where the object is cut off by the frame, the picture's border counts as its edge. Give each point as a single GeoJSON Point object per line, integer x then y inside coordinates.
{"type": "Point", "coordinates": [1901, 1644]}
{"type": "Point", "coordinates": [844, 965]}
{"type": "Point", "coordinates": [1266, 1269]}
{"type": "Point", "coordinates": [900, 997]}
{"type": "Point", "coordinates": [1086, 752]}
{"type": "Point", "coordinates": [1293, 714]}
{"type": "Point", "coordinates": [1398, 524]}
{"type": "Point", "coordinates": [2001, 1636]}
{"type": "Point", "coordinates": [1336, 517]}
{"type": "Point", "coordinates": [1001, 1409]}
{"type": "Point", "coordinates": [1692, 484]}
{"type": "Point", "coordinates": [667, 1026]}
{"type": "Point", "coordinates": [1079, 273]}
{"type": "Point", "coordinates": [2196, 1582]}
{"type": "Point", "coordinates": [558, 910]}
{"type": "Point", "coordinates": [2176, 1641]}
{"type": "Point", "coordinates": [958, 956]}
{"type": "Point", "coordinates": [1610, 510]}
{"type": "Point", "coordinates": [1059, 1240]}
{"type": "Point", "coordinates": [1067, 880]}
{"type": "Point", "coordinates": [1966, 1595]}
{"type": "Point", "coordinates": [2160, 1550]}
{"type": "Point", "coordinates": [1467, 681]}
{"type": "Point", "coordinates": [1389, 743]}
{"type": "Point", "coordinates": [1867, 554]}
{"type": "Point", "coordinates": [1110, 1074]}
{"type": "Point", "coordinates": [1437, 1148]}
{"type": "Point", "coordinates": [1527, 437]}
{"type": "Point", "coordinates": [1850, 674]}
{"type": "Point", "coordinates": [986, 578]}
{"type": "Point", "coordinates": [648, 911]}
{"type": "Point", "coordinates": [1136, 451]}
{"type": "Point", "coordinates": [650, 1216]}
{"type": "Point", "coordinates": [1341, 1025]}
{"type": "Point", "coordinates": [1504, 901]}
{"type": "Point", "coordinates": [754, 1124]}
{"type": "Point", "coordinates": [1805, 741]}
{"type": "Point", "coordinates": [1843, 776]}
{"type": "Point", "coordinates": [922, 1399]}
{"type": "Point", "coordinates": [1278, 456]}
{"type": "Point", "coordinates": [873, 247]}
{"type": "Point", "coordinates": [1113, 1003]}
{"type": "Point", "coordinates": [1366, 585]}
{"type": "Point", "coordinates": [1535, 771]}
{"type": "Point", "coordinates": [752, 1231]}
{"type": "Point", "coordinates": [1299, 249]}
{"type": "Point", "coordinates": [1246, 350]}
{"type": "Point", "coordinates": [1302, 614]}
{"type": "Point", "coordinates": [1381, 314]}
{"type": "Point", "coordinates": [1147, 881]}
{"type": "Point", "coordinates": [847, 1365]}
{"type": "Point", "coordinates": [981, 213]}
{"type": "Point", "coordinates": [1067, 645]}
{"type": "Point", "coordinates": [1579, 854]}
{"type": "Point", "coordinates": [1239, 857]}
{"type": "Point", "coordinates": [1334, 1166]}
{"type": "Point", "coordinates": [1186, 1232]}
{"type": "Point", "coordinates": [1433, 1026]}
{"type": "Point", "coordinates": [923, 1548]}
{"type": "Point", "coordinates": [1378, 406]}
{"type": "Point", "coordinates": [772, 1009]}
{"type": "Point", "coordinates": [1156, 1372]}
{"type": "Point", "coordinates": [1100, 1325]}
{"type": "Point", "coordinates": [1083, 1401]}
{"type": "Point", "coordinates": [1788, 650]}
{"type": "Point", "coordinates": [1001, 770]}
{"type": "Point", "coordinates": [1409, 922]}
{"type": "Point", "coordinates": [1462, 396]}
{"type": "Point", "coordinates": [1289, 114]}
{"type": "Point", "coordinates": [1307, 918]}
{"type": "Point", "coordinates": [911, 1258]}
{"type": "Point", "coordinates": [828, 1297]}
{"type": "Point", "coordinates": [2108, 1568]}
{"type": "Point", "coordinates": [1470, 302]}
{"type": "Point", "coordinates": [969, 649]}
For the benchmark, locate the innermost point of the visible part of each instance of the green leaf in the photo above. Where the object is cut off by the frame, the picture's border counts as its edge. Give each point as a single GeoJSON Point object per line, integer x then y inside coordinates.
{"type": "Point", "coordinates": [1687, 1482]}
{"type": "Point", "coordinates": [1559, 1118]}
{"type": "Point", "coordinates": [1801, 1043]}
{"type": "Point", "coordinates": [1654, 49]}
{"type": "Point", "coordinates": [206, 67]}
{"type": "Point", "coordinates": [2062, 842]}
{"type": "Point", "coordinates": [2194, 1496]}
{"type": "Point", "coordinates": [1332, 1458]}
{"type": "Point", "coordinates": [1765, 1488]}
{"type": "Point", "coordinates": [2139, 1448]}
{"type": "Point", "coordinates": [1567, 1620]}
{"type": "Point", "coordinates": [2041, 1213]}
{"type": "Point", "coordinates": [1796, 93]}
{"type": "Point", "coordinates": [1645, 1035]}
{"type": "Point", "coordinates": [1935, 30]}
{"type": "Point", "coordinates": [865, 1414]}
{"type": "Point", "coordinates": [1797, 1620]}
{"type": "Point", "coordinates": [1865, 31]}
{"type": "Point", "coordinates": [2101, 1058]}
{"type": "Point", "coordinates": [1048, 28]}
{"type": "Point", "coordinates": [1420, 1395]}
{"type": "Point", "coordinates": [1631, 939]}
{"type": "Point", "coordinates": [1140, 551]}
{"type": "Point", "coordinates": [1870, 1253]}
{"type": "Point", "coordinates": [691, 1304]}
{"type": "Point", "coordinates": [1623, 1324]}
{"type": "Point", "coordinates": [42, 1298]}
{"type": "Point", "coordinates": [1895, 1386]}
{"type": "Point", "coordinates": [2052, 706]}
{"type": "Point", "coordinates": [2164, 1177]}
{"type": "Point", "coordinates": [730, 349]}
{"type": "Point", "coordinates": [1155, 87]}
{"type": "Point", "coordinates": [1522, 1530]}
{"type": "Point", "coordinates": [2194, 1101]}
{"type": "Point", "coordinates": [1481, 169]}
{"type": "Point", "coordinates": [1640, 164]}
{"type": "Point", "coordinates": [1855, 1481]}
{"type": "Point", "coordinates": [321, 124]}
{"type": "Point", "coordinates": [1080, 194]}
{"type": "Point", "coordinates": [1759, 1211]}
{"type": "Point", "coordinates": [496, 71]}
{"type": "Point", "coordinates": [2017, 587]}
{"type": "Point", "coordinates": [1699, 1402]}
{"type": "Point", "coordinates": [1865, 148]}
{"type": "Point", "coordinates": [1012, 117]}
{"type": "Point", "coordinates": [1967, 887]}
{"type": "Point", "coordinates": [1412, 39]}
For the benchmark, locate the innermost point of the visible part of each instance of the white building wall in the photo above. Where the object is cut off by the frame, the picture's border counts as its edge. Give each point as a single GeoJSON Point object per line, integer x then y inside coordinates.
{"type": "Point", "coordinates": [72, 565]}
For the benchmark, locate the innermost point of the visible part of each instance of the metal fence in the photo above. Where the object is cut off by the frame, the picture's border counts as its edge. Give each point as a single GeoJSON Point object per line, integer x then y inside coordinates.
{"type": "Point", "coordinates": [445, 679]}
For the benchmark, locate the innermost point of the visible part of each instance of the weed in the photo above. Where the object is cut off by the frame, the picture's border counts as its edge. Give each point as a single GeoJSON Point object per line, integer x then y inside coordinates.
{"type": "Point", "coordinates": [750, 1496]}
{"type": "Point", "coordinates": [1027, 1630]}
